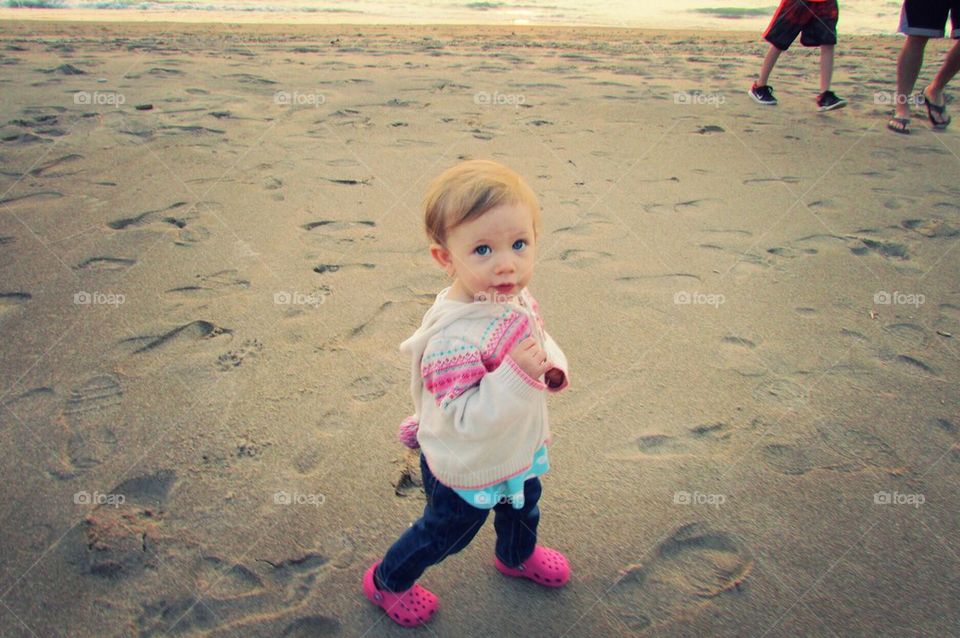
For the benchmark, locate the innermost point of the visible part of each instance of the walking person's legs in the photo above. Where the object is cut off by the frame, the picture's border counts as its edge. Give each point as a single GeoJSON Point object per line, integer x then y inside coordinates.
{"type": "Point", "coordinates": [769, 61]}
{"type": "Point", "coordinates": [518, 555]}
{"type": "Point", "coordinates": [517, 528]}
{"type": "Point", "coordinates": [933, 94]}
{"type": "Point", "coordinates": [826, 66]}
{"type": "Point", "coordinates": [909, 63]}
{"type": "Point", "coordinates": [447, 525]}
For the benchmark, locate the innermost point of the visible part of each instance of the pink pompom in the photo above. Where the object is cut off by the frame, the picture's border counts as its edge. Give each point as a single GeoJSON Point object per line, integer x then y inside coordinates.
{"type": "Point", "coordinates": [407, 433]}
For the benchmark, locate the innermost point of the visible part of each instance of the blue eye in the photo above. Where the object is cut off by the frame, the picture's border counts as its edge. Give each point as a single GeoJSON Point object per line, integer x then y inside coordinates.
{"type": "Point", "coordinates": [520, 244]}
{"type": "Point", "coordinates": [483, 250]}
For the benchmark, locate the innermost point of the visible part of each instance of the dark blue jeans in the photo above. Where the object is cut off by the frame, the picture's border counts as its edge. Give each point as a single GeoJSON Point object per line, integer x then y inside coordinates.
{"type": "Point", "coordinates": [448, 525]}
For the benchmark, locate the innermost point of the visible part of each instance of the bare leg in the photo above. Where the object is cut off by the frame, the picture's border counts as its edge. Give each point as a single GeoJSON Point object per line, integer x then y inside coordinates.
{"type": "Point", "coordinates": [768, 61]}
{"type": "Point", "coordinates": [949, 69]}
{"type": "Point", "coordinates": [908, 68]}
{"type": "Point", "coordinates": [826, 66]}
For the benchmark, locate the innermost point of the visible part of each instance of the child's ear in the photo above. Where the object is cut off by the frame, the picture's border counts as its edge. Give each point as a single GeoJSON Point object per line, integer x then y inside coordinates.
{"type": "Point", "coordinates": [442, 256]}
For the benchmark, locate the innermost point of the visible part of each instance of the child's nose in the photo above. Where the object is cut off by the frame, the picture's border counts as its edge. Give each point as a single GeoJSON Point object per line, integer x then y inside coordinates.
{"type": "Point", "coordinates": [506, 265]}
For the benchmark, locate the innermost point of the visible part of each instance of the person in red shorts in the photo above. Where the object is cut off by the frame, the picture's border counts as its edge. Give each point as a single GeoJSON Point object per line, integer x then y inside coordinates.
{"type": "Point", "coordinates": [921, 20]}
{"type": "Point", "coordinates": [815, 21]}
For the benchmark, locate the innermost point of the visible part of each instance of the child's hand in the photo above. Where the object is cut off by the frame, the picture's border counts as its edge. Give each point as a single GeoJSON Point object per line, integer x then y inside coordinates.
{"type": "Point", "coordinates": [530, 357]}
{"type": "Point", "coordinates": [554, 377]}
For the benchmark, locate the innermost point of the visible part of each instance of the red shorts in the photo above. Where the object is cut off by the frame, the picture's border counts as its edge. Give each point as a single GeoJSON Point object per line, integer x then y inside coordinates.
{"type": "Point", "coordinates": [816, 21]}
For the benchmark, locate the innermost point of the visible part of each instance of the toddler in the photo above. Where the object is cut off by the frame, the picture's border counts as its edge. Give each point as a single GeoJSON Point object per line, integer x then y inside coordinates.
{"type": "Point", "coordinates": [481, 365]}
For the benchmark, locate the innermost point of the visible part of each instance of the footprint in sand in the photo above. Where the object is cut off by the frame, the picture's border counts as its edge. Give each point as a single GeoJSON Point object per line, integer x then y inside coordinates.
{"type": "Point", "coordinates": [178, 216]}
{"type": "Point", "coordinates": [585, 227]}
{"type": "Point", "coordinates": [176, 346]}
{"type": "Point", "coordinates": [367, 388]}
{"type": "Point", "coordinates": [580, 259]}
{"type": "Point", "coordinates": [811, 245]}
{"type": "Point", "coordinates": [823, 204]}
{"type": "Point", "coordinates": [932, 228]}
{"type": "Point", "coordinates": [834, 447]}
{"type": "Point", "coordinates": [46, 169]}
{"type": "Point", "coordinates": [786, 179]}
{"type": "Point", "coordinates": [148, 217]}
{"type": "Point", "coordinates": [791, 253]}
{"type": "Point", "coordinates": [189, 333]}
{"type": "Point", "coordinates": [249, 350]}
{"type": "Point", "coordinates": [699, 440]}
{"type": "Point", "coordinates": [227, 598]}
{"type": "Point", "coordinates": [908, 364]}
{"type": "Point", "coordinates": [686, 573]}
{"type": "Point", "coordinates": [212, 285]}
{"type": "Point", "coordinates": [91, 415]}
{"type": "Point", "coordinates": [213, 595]}
{"type": "Point", "coordinates": [782, 392]}
{"type": "Point", "coordinates": [887, 249]}
{"type": "Point", "coordinates": [331, 268]}
{"type": "Point", "coordinates": [118, 539]}
{"type": "Point", "coordinates": [329, 232]}
{"type": "Point", "coordinates": [737, 354]}
{"type": "Point", "coordinates": [105, 263]}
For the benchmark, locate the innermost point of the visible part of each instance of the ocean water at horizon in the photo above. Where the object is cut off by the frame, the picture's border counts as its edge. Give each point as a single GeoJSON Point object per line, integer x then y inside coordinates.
{"type": "Point", "coordinates": [862, 17]}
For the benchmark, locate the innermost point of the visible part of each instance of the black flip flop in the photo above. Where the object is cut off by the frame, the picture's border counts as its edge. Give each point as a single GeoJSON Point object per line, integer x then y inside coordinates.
{"type": "Point", "coordinates": [938, 109]}
{"type": "Point", "coordinates": [899, 125]}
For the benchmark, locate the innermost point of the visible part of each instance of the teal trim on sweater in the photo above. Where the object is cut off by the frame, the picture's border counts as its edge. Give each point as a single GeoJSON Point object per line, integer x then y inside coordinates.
{"type": "Point", "coordinates": [510, 490]}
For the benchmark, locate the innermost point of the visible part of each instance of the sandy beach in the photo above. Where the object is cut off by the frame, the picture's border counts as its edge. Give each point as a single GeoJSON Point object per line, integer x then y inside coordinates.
{"type": "Point", "coordinates": [211, 248]}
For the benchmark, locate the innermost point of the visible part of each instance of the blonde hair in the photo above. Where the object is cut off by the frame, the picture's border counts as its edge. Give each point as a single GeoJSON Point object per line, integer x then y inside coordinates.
{"type": "Point", "coordinates": [470, 189]}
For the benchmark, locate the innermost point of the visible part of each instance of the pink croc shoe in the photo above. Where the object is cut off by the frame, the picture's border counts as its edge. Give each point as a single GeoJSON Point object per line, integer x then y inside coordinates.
{"type": "Point", "coordinates": [410, 608]}
{"type": "Point", "coordinates": [545, 566]}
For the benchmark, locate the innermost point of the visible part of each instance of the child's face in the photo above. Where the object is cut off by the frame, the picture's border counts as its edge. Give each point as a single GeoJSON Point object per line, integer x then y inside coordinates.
{"type": "Point", "coordinates": [492, 254]}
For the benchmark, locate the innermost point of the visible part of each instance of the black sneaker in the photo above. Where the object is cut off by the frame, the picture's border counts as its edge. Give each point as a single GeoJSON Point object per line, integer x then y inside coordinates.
{"type": "Point", "coordinates": [763, 95]}
{"type": "Point", "coordinates": [828, 101]}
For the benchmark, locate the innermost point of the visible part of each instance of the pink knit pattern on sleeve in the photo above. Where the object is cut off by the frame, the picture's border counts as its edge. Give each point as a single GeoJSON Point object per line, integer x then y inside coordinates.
{"type": "Point", "coordinates": [503, 335]}
{"type": "Point", "coordinates": [449, 375]}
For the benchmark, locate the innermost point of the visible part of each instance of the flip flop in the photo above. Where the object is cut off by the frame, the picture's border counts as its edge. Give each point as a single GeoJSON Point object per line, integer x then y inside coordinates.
{"type": "Point", "coordinates": [938, 109]}
{"type": "Point", "coordinates": [899, 125]}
